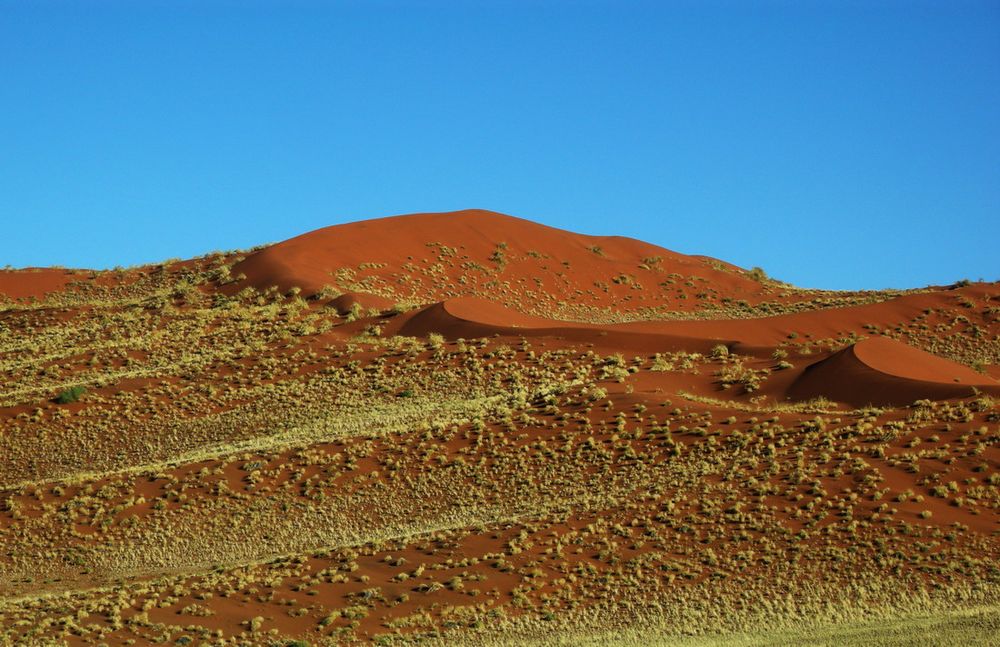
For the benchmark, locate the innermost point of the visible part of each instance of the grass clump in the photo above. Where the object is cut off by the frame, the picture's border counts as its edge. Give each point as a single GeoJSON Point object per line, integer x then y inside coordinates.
{"type": "Point", "coordinates": [72, 394]}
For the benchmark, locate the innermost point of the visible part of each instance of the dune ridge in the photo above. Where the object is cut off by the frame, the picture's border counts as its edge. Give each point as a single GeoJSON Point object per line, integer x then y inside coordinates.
{"type": "Point", "coordinates": [465, 241]}
{"type": "Point", "coordinates": [882, 371]}
{"type": "Point", "coordinates": [877, 370]}
{"type": "Point", "coordinates": [469, 318]}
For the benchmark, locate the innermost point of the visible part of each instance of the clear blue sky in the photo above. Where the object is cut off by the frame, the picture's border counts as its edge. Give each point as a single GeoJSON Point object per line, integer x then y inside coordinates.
{"type": "Point", "coordinates": [835, 144]}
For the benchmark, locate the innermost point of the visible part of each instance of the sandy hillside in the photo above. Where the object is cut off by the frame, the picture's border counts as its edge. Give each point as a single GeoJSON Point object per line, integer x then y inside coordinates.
{"type": "Point", "coordinates": [469, 428]}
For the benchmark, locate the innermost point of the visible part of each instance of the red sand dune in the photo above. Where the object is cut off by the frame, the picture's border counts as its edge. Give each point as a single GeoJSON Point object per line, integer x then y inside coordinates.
{"type": "Point", "coordinates": [881, 371]}
{"type": "Point", "coordinates": [475, 314]}
{"type": "Point", "coordinates": [531, 251]}
{"type": "Point", "coordinates": [454, 257]}
{"type": "Point", "coordinates": [877, 371]}
{"type": "Point", "coordinates": [34, 282]}
{"type": "Point", "coordinates": [827, 323]}
{"type": "Point", "coordinates": [470, 317]}
{"type": "Point", "coordinates": [627, 466]}
{"type": "Point", "coordinates": [345, 302]}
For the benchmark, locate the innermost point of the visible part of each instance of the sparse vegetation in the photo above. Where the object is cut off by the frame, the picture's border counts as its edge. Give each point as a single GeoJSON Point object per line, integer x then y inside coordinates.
{"type": "Point", "coordinates": [247, 466]}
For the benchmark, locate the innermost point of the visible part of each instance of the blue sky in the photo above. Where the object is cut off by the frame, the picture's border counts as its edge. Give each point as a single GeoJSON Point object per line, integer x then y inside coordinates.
{"type": "Point", "coordinates": [835, 144]}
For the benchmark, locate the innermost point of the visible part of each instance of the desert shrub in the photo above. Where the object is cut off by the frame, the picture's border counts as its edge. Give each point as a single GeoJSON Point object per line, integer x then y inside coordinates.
{"type": "Point", "coordinates": [597, 393]}
{"type": "Point", "coordinates": [355, 312]}
{"type": "Point", "coordinates": [72, 394]}
{"type": "Point", "coordinates": [327, 292]}
{"type": "Point", "coordinates": [739, 374]}
{"type": "Point", "coordinates": [616, 373]}
{"type": "Point", "coordinates": [400, 308]}
{"type": "Point", "coordinates": [615, 360]}
{"type": "Point", "coordinates": [354, 612]}
{"type": "Point", "coordinates": [498, 256]}
{"type": "Point", "coordinates": [661, 363]}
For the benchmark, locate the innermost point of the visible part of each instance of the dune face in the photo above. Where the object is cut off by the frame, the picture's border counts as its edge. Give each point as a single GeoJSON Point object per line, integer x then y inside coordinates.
{"type": "Point", "coordinates": [468, 428]}
{"type": "Point", "coordinates": [899, 360]}
{"type": "Point", "coordinates": [876, 371]}
{"type": "Point", "coordinates": [435, 256]}
{"type": "Point", "coordinates": [470, 317]}
{"type": "Point", "coordinates": [881, 371]}
{"type": "Point", "coordinates": [32, 282]}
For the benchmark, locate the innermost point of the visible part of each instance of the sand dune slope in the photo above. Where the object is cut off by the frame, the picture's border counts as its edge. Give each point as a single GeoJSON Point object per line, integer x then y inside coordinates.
{"type": "Point", "coordinates": [881, 371]}
{"type": "Point", "coordinates": [445, 254]}
{"type": "Point", "coordinates": [878, 371]}
{"type": "Point", "coordinates": [469, 317]}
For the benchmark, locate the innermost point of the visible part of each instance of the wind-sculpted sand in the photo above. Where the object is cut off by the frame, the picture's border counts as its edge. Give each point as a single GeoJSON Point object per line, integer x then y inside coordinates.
{"type": "Point", "coordinates": [467, 428]}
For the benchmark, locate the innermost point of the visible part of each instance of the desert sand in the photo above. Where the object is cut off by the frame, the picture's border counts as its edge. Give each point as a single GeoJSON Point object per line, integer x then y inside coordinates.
{"type": "Point", "coordinates": [469, 428]}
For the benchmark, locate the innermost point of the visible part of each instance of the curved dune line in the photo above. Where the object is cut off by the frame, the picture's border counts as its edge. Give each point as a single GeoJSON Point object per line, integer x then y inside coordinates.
{"type": "Point", "coordinates": [470, 318]}
{"type": "Point", "coordinates": [878, 371]}
{"type": "Point", "coordinates": [881, 371]}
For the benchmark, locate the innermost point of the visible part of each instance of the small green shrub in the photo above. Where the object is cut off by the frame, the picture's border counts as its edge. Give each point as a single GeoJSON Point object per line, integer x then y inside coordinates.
{"type": "Point", "coordinates": [72, 394]}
